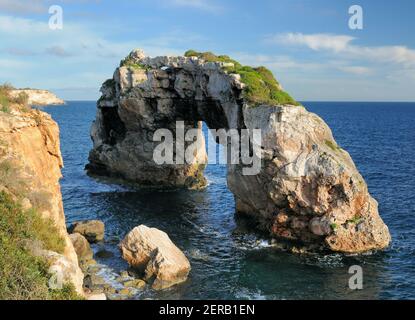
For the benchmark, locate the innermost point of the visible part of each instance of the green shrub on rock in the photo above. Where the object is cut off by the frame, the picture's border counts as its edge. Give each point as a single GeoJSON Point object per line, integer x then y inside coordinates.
{"type": "Point", "coordinates": [261, 85]}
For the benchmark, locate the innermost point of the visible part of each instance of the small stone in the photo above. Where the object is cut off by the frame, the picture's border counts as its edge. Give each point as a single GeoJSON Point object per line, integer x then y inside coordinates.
{"type": "Point", "coordinates": [137, 283]}
{"type": "Point", "coordinates": [298, 250]}
{"type": "Point", "coordinates": [104, 254]}
{"type": "Point", "coordinates": [92, 281]}
{"type": "Point", "coordinates": [282, 218]}
{"type": "Point", "coordinates": [125, 292]}
{"type": "Point", "coordinates": [109, 289]}
{"type": "Point", "coordinates": [124, 274]}
{"type": "Point", "coordinates": [92, 230]}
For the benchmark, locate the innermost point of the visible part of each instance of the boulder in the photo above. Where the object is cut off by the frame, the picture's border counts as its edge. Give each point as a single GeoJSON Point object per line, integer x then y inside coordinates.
{"type": "Point", "coordinates": [81, 245]}
{"type": "Point", "coordinates": [92, 230]}
{"type": "Point", "coordinates": [152, 252]}
{"type": "Point", "coordinates": [63, 271]}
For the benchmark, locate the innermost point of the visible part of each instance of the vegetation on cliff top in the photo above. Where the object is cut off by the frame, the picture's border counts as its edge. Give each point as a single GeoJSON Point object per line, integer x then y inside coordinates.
{"type": "Point", "coordinates": [6, 99]}
{"type": "Point", "coordinates": [129, 62]}
{"type": "Point", "coordinates": [261, 85]}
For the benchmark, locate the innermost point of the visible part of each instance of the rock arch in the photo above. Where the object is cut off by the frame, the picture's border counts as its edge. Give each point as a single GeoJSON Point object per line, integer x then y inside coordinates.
{"type": "Point", "coordinates": [308, 190]}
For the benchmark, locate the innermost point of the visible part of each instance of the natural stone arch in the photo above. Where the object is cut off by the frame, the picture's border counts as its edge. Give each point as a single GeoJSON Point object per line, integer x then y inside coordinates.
{"type": "Point", "coordinates": [308, 190]}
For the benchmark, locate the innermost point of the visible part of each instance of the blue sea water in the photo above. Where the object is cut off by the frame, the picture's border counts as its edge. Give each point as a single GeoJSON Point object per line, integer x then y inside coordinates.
{"type": "Point", "coordinates": [227, 262]}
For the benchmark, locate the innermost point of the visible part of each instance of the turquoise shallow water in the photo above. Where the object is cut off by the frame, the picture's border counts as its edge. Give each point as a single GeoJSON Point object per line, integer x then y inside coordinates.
{"type": "Point", "coordinates": [227, 262]}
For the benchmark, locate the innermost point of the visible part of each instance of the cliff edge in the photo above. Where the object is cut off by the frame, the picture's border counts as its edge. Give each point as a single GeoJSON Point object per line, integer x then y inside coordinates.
{"type": "Point", "coordinates": [38, 97]}
{"type": "Point", "coordinates": [30, 170]}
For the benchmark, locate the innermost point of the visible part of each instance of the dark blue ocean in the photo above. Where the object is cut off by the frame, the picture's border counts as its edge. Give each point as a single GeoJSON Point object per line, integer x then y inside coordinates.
{"type": "Point", "coordinates": [227, 262]}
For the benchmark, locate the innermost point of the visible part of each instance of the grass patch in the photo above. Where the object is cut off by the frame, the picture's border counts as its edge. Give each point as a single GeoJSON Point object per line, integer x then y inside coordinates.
{"type": "Point", "coordinates": [356, 220]}
{"type": "Point", "coordinates": [10, 178]}
{"type": "Point", "coordinates": [333, 146]}
{"type": "Point", "coordinates": [67, 292]}
{"type": "Point", "coordinates": [130, 63]}
{"type": "Point", "coordinates": [23, 276]}
{"type": "Point", "coordinates": [334, 226]}
{"type": "Point", "coordinates": [6, 99]}
{"type": "Point", "coordinates": [261, 85]}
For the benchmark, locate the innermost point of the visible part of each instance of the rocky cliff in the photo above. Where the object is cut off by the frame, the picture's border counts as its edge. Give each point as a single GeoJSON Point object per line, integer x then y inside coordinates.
{"type": "Point", "coordinates": [38, 97]}
{"type": "Point", "coordinates": [31, 163]}
{"type": "Point", "coordinates": [308, 190]}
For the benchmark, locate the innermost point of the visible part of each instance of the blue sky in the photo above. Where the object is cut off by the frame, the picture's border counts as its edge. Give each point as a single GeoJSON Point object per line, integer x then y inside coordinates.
{"type": "Point", "coordinates": [306, 43]}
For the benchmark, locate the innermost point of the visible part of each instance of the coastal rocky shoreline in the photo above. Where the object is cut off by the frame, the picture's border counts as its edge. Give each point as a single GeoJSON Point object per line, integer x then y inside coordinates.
{"type": "Point", "coordinates": [38, 97]}
{"type": "Point", "coordinates": [308, 192]}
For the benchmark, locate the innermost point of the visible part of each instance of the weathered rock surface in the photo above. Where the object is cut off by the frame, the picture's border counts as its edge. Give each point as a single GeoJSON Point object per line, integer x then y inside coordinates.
{"type": "Point", "coordinates": [81, 246]}
{"type": "Point", "coordinates": [29, 143]}
{"type": "Point", "coordinates": [38, 97]}
{"type": "Point", "coordinates": [64, 271]}
{"type": "Point", "coordinates": [152, 252]}
{"type": "Point", "coordinates": [308, 189]}
{"type": "Point", "coordinates": [92, 230]}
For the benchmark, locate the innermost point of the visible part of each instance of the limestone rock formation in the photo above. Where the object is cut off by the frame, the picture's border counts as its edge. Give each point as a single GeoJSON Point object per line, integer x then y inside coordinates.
{"type": "Point", "coordinates": [152, 252]}
{"type": "Point", "coordinates": [92, 230]}
{"type": "Point", "coordinates": [81, 245]}
{"type": "Point", "coordinates": [30, 154]}
{"type": "Point", "coordinates": [63, 271]}
{"type": "Point", "coordinates": [38, 97]}
{"type": "Point", "coordinates": [308, 190]}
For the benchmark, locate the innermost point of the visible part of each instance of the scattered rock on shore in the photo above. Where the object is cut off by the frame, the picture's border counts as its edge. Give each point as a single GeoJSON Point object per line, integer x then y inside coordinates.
{"type": "Point", "coordinates": [64, 269]}
{"type": "Point", "coordinates": [92, 230]}
{"type": "Point", "coordinates": [82, 247]}
{"type": "Point", "coordinates": [152, 252]}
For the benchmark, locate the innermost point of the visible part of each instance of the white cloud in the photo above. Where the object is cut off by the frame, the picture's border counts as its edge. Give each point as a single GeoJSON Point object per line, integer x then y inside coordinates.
{"type": "Point", "coordinates": [57, 51]}
{"type": "Point", "coordinates": [204, 5]}
{"type": "Point", "coordinates": [10, 25]}
{"type": "Point", "coordinates": [22, 6]}
{"type": "Point", "coordinates": [357, 70]}
{"type": "Point", "coordinates": [276, 62]}
{"type": "Point", "coordinates": [316, 42]}
{"type": "Point", "coordinates": [342, 44]}
{"type": "Point", "coordinates": [60, 58]}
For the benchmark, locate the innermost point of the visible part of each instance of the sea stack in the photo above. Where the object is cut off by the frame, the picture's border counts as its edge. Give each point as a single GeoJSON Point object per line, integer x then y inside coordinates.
{"type": "Point", "coordinates": [308, 190]}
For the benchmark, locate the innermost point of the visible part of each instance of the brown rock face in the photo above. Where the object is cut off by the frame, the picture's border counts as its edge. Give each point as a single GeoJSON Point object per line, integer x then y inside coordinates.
{"type": "Point", "coordinates": [92, 230]}
{"type": "Point", "coordinates": [29, 142]}
{"type": "Point", "coordinates": [82, 248]}
{"type": "Point", "coordinates": [151, 251]}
